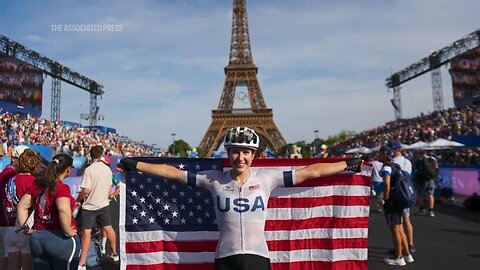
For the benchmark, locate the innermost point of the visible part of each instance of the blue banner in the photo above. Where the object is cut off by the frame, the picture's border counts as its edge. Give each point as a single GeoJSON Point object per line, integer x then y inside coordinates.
{"type": "Point", "coordinates": [45, 151]}
{"type": "Point", "coordinates": [4, 161]}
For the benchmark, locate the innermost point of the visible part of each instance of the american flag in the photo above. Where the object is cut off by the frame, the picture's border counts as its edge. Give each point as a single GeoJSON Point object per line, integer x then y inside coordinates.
{"type": "Point", "coordinates": [320, 224]}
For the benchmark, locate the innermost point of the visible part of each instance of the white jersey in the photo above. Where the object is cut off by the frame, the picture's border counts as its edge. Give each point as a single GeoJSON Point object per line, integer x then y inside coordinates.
{"type": "Point", "coordinates": [376, 168]}
{"type": "Point", "coordinates": [404, 163]}
{"type": "Point", "coordinates": [241, 211]}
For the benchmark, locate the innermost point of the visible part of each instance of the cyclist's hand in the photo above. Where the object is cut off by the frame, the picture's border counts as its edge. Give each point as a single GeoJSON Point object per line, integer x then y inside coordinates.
{"type": "Point", "coordinates": [127, 164]}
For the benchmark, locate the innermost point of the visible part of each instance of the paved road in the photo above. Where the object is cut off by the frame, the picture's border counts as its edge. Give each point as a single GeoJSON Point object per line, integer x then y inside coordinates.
{"type": "Point", "coordinates": [450, 240]}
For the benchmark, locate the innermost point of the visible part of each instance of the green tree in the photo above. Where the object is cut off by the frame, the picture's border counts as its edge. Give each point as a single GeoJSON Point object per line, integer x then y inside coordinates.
{"type": "Point", "coordinates": [181, 148]}
{"type": "Point", "coordinates": [342, 135]}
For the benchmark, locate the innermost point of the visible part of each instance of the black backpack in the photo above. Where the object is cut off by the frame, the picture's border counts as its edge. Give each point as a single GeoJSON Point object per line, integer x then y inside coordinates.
{"type": "Point", "coordinates": [402, 192]}
{"type": "Point", "coordinates": [429, 168]}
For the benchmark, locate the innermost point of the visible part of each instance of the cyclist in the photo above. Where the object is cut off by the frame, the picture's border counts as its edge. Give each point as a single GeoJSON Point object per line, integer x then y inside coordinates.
{"type": "Point", "coordinates": [241, 211]}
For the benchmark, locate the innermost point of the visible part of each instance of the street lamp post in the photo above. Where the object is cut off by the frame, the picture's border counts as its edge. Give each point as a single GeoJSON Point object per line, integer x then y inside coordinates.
{"type": "Point", "coordinates": [173, 148]}
{"type": "Point", "coordinates": [315, 142]}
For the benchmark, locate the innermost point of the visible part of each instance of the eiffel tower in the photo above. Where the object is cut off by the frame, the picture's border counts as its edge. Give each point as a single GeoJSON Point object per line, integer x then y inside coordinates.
{"type": "Point", "coordinates": [241, 102]}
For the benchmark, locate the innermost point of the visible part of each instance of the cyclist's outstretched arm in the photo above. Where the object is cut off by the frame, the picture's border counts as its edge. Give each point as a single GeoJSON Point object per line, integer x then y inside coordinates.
{"type": "Point", "coordinates": [323, 169]}
{"type": "Point", "coordinates": [162, 170]}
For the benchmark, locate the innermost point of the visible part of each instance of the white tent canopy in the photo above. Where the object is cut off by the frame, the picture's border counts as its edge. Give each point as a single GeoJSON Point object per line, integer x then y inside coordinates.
{"type": "Point", "coordinates": [352, 151]}
{"type": "Point", "coordinates": [443, 143]}
{"type": "Point", "coordinates": [364, 150]}
{"type": "Point", "coordinates": [417, 145]}
{"type": "Point", "coordinates": [377, 148]}
{"type": "Point", "coordinates": [437, 144]}
{"type": "Point", "coordinates": [360, 150]}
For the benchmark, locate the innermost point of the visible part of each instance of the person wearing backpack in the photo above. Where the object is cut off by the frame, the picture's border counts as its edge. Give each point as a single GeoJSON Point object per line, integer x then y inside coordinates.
{"type": "Point", "coordinates": [427, 173]}
{"type": "Point", "coordinates": [7, 173]}
{"type": "Point", "coordinates": [392, 175]}
{"type": "Point", "coordinates": [406, 165]}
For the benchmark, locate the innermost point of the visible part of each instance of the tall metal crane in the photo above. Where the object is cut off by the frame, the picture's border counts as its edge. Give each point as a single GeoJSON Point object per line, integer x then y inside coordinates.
{"type": "Point", "coordinates": [58, 72]}
{"type": "Point", "coordinates": [433, 62]}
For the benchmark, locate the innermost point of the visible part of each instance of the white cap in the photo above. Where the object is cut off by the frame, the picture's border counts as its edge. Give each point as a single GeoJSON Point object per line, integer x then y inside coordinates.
{"type": "Point", "coordinates": [18, 150]}
{"type": "Point", "coordinates": [323, 147]}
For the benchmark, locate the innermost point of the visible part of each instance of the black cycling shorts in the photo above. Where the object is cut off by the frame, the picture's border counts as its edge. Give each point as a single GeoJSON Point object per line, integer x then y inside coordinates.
{"type": "Point", "coordinates": [242, 262]}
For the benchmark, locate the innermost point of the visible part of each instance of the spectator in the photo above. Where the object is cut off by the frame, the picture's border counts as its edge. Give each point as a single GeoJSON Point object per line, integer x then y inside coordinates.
{"type": "Point", "coordinates": [6, 175]}
{"type": "Point", "coordinates": [393, 215]}
{"type": "Point", "coordinates": [405, 165]}
{"type": "Point", "coordinates": [95, 194]}
{"type": "Point", "coordinates": [426, 179]}
{"type": "Point", "coordinates": [323, 151]}
{"type": "Point", "coordinates": [55, 243]}
{"type": "Point", "coordinates": [377, 181]}
{"type": "Point", "coordinates": [18, 245]}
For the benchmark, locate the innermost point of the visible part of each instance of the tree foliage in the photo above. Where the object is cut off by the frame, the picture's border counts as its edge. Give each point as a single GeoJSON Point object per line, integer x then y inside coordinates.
{"type": "Point", "coordinates": [181, 148]}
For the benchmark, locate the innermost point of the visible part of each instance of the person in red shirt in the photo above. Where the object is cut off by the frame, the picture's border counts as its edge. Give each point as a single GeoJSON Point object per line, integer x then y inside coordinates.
{"type": "Point", "coordinates": [18, 245]}
{"type": "Point", "coordinates": [54, 241]}
{"type": "Point", "coordinates": [7, 173]}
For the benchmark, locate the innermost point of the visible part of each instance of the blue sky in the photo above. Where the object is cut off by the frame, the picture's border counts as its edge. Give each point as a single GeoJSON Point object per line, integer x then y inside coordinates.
{"type": "Point", "coordinates": [322, 64]}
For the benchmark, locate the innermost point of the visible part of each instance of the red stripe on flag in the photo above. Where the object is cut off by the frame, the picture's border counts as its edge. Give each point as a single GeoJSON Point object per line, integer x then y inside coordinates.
{"type": "Point", "coordinates": [338, 179]}
{"type": "Point", "coordinates": [319, 201]}
{"type": "Point", "coordinates": [310, 265]}
{"type": "Point", "coordinates": [316, 223]}
{"type": "Point", "coordinates": [317, 243]}
{"type": "Point", "coordinates": [273, 245]}
{"type": "Point", "coordinates": [171, 246]}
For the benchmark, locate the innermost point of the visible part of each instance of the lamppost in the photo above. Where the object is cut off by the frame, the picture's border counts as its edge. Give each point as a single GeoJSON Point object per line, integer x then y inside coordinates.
{"type": "Point", "coordinates": [173, 148]}
{"type": "Point", "coordinates": [315, 142]}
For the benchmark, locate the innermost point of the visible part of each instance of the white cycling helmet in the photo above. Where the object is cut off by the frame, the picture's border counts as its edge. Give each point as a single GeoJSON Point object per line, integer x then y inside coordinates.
{"type": "Point", "coordinates": [242, 137]}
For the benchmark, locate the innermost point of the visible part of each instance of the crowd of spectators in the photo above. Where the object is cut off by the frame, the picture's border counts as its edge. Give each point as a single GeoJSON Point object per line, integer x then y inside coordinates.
{"type": "Point", "coordinates": [64, 137]}
{"type": "Point", "coordinates": [427, 128]}
{"type": "Point", "coordinates": [73, 140]}
{"type": "Point", "coordinates": [461, 156]}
